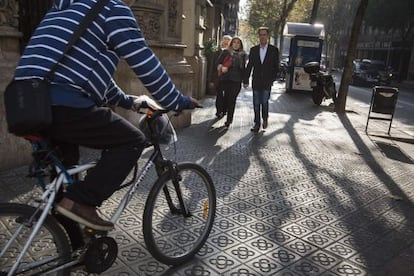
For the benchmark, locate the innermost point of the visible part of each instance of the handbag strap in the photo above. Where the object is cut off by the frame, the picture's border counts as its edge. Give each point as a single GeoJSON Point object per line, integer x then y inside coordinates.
{"type": "Point", "coordinates": [90, 16]}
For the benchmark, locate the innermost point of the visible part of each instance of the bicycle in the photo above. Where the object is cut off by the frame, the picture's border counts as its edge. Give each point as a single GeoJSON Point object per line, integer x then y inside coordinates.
{"type": "Point", "coordinates": [178, 214]}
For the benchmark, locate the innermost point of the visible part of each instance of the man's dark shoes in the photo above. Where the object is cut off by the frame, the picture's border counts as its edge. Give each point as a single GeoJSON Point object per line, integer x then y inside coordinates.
{"type": "Point", "coordinates": [227, 124]}
{"type": "Point", "coordinates": [255, 128]}
{"type": "Point", "coordinates": [264, 124]}
{"type": "Point", "coordinates": [84, 214]}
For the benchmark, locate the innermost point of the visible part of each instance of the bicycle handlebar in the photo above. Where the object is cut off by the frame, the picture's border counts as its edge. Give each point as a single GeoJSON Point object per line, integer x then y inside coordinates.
{"type": "Point", "coordinates": [154, 107]}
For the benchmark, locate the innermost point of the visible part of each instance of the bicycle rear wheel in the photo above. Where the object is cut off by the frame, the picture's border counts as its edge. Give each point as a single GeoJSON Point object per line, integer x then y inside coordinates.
{"type": "Point", "coordinates": [49, 247]}
{"type": "Point", "coordinates": [171, 236]}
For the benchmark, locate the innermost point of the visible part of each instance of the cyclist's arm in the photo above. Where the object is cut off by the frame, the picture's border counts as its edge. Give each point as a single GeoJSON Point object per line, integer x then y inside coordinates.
{"type": "Point", "coordinates": [126, 39]}
{"type": "Point", "coordinates": [116, 96]}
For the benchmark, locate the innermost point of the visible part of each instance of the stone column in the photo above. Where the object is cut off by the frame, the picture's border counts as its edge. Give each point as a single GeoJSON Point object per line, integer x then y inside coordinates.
{"type": "Point", "coordinates": [14, 151]}
{"type": "Point", "coordinates": [195, 13]}
{"type": "Point", "coordinates": [160, 22]}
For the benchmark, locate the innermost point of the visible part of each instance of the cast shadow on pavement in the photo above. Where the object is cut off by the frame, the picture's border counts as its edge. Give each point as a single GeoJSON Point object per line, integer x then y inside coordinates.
{"type": "Point", "coordinates": [393, 152]}
{"type": "Point", "coordinates": [390, 246]}
{"type": "Point", "coordinates": [368, 230]}
{"type": "Point", "coordinates": [372, 220]}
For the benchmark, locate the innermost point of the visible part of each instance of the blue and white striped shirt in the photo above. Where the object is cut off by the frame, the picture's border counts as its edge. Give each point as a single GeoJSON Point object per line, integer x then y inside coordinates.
{"type": "Point", "coordinates": [88, 68]}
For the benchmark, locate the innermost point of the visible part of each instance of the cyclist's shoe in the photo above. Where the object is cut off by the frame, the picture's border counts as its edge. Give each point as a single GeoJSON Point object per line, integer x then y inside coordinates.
{"type": "Point", "coordinates": [84, 214]}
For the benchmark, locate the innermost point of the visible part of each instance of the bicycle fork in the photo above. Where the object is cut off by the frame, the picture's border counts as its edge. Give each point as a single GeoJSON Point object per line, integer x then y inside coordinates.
{"type": "Point", "coordinates": [176, 178]}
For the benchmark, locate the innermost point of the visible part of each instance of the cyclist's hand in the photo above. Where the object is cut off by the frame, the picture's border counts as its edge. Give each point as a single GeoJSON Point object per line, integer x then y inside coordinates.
{"type": "Point", "coordinates": [144, 101]}
{"type": "Point", "coordinates": [194, 104]}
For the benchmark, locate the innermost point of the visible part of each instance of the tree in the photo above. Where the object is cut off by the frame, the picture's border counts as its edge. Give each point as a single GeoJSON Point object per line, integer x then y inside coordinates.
{"type": "Point", "coordinates": [347, 74]}
{"type": "Point", "coordinates": [335, 16]}
{"type": "Point", "coordinates": [270, 13]}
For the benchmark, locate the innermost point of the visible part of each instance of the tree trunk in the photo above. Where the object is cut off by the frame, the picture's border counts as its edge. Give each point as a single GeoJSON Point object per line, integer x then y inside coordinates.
{"type": "Point", "coordinates": [347, 73]}
{"type": "Point", "coordinates": [314, 11]}
{"type": "Point", "coordinates": [282, 26]}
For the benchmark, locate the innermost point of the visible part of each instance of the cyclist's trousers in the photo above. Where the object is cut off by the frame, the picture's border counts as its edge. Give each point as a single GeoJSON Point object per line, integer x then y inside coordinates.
{"type": "Point", "coordinates": [98, 128]}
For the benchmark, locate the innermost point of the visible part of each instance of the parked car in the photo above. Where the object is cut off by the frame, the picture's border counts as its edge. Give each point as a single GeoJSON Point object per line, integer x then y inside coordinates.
{"type": "Point", "coordinates": [371, 72]}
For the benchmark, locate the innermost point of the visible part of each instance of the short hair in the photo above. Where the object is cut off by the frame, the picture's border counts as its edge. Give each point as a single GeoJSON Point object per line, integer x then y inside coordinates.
{"type": "Point", "coordinates": [263, 29]}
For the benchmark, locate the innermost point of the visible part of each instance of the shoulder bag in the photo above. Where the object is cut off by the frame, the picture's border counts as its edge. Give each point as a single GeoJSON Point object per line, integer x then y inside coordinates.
{"type": "Point", "coordinates": [27, 102]}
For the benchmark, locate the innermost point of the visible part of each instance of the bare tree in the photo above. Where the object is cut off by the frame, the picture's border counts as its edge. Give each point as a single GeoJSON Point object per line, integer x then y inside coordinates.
{"type": "Point", "coordinates": [347, 73]}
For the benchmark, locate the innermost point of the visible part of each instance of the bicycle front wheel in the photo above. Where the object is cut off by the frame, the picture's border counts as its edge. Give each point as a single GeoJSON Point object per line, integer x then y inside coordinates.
{"type": "Point", "coordinates": [171, 236]}
{"type": "Point", "coordinates": [49, 249]}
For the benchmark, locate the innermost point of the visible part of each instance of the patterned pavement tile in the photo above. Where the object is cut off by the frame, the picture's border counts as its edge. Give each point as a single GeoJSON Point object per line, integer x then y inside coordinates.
{"type": "Point", "coordinates": [300, 247]}
{"type": "Point", "coordinates": [306, 267]}
{"type": "Point", "coordinates": [347, 269]}
{"type": "Point", "coordinates": [296, 230]}
{"type": "Point", "coordinates": [283, 256]}
{"type": "Point", "coordinates": [318, 239]}
{"type": "Point", "coordinates": [222, 262]}
{"type": "Point", "coordinates": [324, 259]}
{"type": "Point", "coordinates": [265, 266]}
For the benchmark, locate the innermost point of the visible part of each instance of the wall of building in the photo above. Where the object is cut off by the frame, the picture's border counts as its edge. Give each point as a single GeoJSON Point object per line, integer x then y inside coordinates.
{"type": "Point", "coordinates": [13, 150]}
{"type": "Point", "coordinates": [193, 28]}
{"type": "Point", "coordinates": [161, 23]}
{"type": "Point", "coordinates": [386, 46]}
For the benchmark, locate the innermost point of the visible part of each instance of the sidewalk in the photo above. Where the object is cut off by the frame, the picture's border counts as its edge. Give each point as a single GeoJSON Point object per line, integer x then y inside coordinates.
{"type": "Point", "coordinates": [310, 195]}
{"type": "Point", "coordinates": [408, 84]}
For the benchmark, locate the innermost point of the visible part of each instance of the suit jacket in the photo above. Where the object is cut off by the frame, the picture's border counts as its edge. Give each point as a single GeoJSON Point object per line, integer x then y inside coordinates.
{"type": "Point", "coordinates": [263, 74]}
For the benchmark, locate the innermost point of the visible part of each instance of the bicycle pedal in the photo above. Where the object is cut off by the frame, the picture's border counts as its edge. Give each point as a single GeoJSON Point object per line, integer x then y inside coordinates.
{"type": "Point", "coordinates": [100, 254]}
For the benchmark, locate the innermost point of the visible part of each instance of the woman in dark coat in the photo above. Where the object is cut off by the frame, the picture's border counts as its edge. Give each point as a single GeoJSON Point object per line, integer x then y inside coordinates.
{"type": "Point", "coordinates": [232, 65]}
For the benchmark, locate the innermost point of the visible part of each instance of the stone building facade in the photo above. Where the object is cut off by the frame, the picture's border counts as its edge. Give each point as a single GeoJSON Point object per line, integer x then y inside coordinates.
{"type": "Point", "coordinates": [13, 151]}
{"type": "Point", "coordinates": [174, 29]}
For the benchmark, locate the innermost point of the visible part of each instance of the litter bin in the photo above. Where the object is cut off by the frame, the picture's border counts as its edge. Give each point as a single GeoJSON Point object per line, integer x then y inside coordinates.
{"type": "Point", "coordinates": [383, 101]}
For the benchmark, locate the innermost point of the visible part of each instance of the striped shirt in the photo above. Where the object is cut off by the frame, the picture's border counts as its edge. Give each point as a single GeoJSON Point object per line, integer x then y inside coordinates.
{"type": "Point", "coordinates": [86, 72]}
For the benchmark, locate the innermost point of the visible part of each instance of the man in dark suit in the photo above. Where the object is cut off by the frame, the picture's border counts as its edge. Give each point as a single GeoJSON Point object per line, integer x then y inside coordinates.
{"type": "Point", "coordinates": [264, 61]}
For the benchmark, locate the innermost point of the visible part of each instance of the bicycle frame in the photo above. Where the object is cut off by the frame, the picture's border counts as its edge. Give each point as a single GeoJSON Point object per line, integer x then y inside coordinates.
{"type": "Point", "coordinates": [133, 188]}
{"type": "Point", "coordinates": [63, 174]}
{"type": "Point", "coordinates": [47, 199]}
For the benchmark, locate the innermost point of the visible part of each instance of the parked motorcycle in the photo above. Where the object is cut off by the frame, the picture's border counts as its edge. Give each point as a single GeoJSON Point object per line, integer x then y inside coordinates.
{"type": "Point", "coordinates": [322, 83]}
{"type": "Point", "coordinates": [283, 70]}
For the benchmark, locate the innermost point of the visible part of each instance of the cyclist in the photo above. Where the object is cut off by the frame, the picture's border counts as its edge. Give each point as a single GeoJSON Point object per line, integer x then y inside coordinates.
{"type": "Point", "coordinates": [83, 84]}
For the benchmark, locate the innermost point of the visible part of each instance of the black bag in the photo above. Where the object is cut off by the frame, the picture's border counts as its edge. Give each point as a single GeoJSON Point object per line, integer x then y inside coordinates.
{"type": "Point", "coordinates": [27, 102]}
{"type": "Point", "coordinates": [28, 106]}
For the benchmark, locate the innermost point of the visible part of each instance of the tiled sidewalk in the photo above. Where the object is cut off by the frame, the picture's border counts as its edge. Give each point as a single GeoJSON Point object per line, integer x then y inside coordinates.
{"type": "Point", "coordinates": [311, 195]}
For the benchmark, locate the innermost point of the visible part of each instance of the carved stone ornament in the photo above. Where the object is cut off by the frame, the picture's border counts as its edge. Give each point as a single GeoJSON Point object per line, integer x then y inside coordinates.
{"type": "Point", "coordinates": [150, 24]}
{"type": "Point", "coordinates": [9, 13]}
{"type": "Point", "coordinates": [172, 17]}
